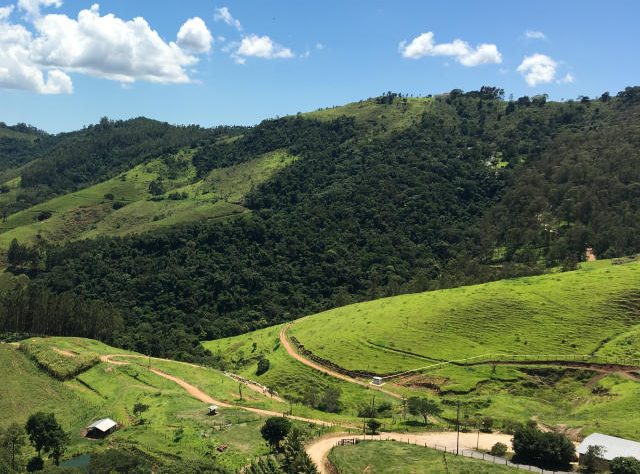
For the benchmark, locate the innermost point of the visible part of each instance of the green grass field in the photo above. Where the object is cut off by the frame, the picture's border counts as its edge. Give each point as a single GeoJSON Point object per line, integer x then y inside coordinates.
{"type": "Point", "coordinates": [175, 425]}
{"type": "Point", "coordinates": [382, 457]}
{"type": "Point", "coordinates": [590, 311]}
{"type": "Point", "coordinates": [90, 212]}
{"type": "Point", "coordinates": [580, 312]}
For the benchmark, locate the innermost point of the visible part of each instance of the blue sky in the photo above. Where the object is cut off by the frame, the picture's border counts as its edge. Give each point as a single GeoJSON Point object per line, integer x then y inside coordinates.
{"type": "Point", "coordinates": [290, 56]}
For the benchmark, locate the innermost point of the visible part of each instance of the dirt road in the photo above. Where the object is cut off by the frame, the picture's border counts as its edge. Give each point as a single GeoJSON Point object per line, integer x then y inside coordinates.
{"type": "Point", "coordinates": [319, 449]}
{"type": "Point", "coordinates": [198, 394]}
{"type": "Point", "coordinates": [256, 388]}
{"type": "Point", "coordinates": [320, 368]}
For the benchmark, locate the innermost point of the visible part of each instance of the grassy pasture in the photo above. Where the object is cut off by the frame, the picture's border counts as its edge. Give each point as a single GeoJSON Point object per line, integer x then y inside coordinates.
{"type": "Point", "coordinates": [381, 457]}
{"type": "Point", "coordinates": [561, 313]}
{"type": "Point", "coordinates": [592, 310]}
{"type": "Point", "coordinates": [175, 425]}
{"type": "Point", "coordinates": [88, 213]}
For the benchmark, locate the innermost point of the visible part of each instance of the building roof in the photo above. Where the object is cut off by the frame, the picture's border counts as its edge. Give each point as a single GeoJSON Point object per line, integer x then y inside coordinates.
{"type": "Point", "coordinates": [613, 447]}
{"type": "Point", "coordinates": [213, 407]}
{"type": "Point", "coordinates": [103, 425]}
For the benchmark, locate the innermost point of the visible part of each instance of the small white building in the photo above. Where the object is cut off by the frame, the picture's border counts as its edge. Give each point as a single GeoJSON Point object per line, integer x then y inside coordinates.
{"type": "Point", "coordinates": [377, 381]}
{"type": "Point", "coordinates": [101, 428]}
{"type": "Point", "coordinates": [612, 447]}
{"type": "Point", "coordinates": [213, 410]}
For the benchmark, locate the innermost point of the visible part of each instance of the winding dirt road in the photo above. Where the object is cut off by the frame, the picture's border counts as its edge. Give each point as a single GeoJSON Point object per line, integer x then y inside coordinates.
{"type": "Point", "coordinates": [256, 388]}
{"type": "Point", "coordinates": [319, 449]}
{"type": "Point", "coordinates": [320, 368]}
{"type": "Point", "coordinates": [198, 394]}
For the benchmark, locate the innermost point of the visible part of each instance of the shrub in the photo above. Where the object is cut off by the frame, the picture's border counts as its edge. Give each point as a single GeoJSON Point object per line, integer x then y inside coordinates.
{"type": "Point", "coordinates": [109, 197]}
{"type": "Point", "coordinates": [44, 215]}
{"type": "Point", "coordinates": [625, 466]}
{"type": "Point", "coordinates": [498, 449]}
{"type": "Point", "coordinates": [117, 205]}
{"type": "Point", "coordinates": [263, 366]}
{"type": "Point", "coordinates": [551, 451]}
{"type": "Point", "coordinates": [373, 425]}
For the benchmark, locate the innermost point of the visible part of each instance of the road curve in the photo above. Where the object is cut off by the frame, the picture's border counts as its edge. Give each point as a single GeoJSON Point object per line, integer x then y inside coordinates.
{"type": "Point", "coordinates": [109, 358]}
{"type": "Point", "coordinates": [319, 449]}
{"type": "Point", "coordinates": [198, 394]}
{"type": "Point", "coordinates": [320, 368]}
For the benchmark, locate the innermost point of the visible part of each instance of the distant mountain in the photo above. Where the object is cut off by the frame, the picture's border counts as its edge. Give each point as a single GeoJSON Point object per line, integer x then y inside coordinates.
{"type": "Point", "coordinates": [385, 196]}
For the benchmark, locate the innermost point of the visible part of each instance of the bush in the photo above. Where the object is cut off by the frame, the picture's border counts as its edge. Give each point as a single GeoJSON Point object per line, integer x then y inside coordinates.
{"type": "Point", "coordinates": [117, 205]}
{"type": "Point", "coordinates": [498, 449]}
{"type": "Point", "coordinates": [373, 425]}
{"type": "Point", "coordinates": [109, 197]}
{"type": "Point", "coordinates": [624, 466]}
{"type": "Point", "coordinates": [44, 215]}
{"type": "Point", "coordinates": [551, 451]}
{"type": "Point", "coordinates": [263, 366]}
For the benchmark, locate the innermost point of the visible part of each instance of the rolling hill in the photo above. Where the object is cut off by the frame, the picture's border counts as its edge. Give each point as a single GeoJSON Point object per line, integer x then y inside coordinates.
{"type": "Point", "coordinates": [550, 322]}
{"type": "Point", "coordinates": [385, 196]}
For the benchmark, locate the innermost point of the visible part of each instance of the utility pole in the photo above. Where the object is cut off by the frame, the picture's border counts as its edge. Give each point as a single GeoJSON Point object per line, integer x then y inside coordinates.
{"type": "Point", "coordinates": [458, 428]}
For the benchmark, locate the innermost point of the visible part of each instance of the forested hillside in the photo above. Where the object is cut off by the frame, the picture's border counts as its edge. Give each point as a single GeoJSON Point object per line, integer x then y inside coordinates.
{"type": "Point", "coordinates": [387, 196]}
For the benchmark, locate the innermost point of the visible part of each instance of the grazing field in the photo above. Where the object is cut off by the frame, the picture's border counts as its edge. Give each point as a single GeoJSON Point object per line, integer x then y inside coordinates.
{"type": "Point", "coordinates": [124, 205]}
{"type": "Point", "coordinates": [381, 457]}
{"type": "Point", "coordinates": [561, 313]}
{"type": "Point", "coordinates": [174, 426]}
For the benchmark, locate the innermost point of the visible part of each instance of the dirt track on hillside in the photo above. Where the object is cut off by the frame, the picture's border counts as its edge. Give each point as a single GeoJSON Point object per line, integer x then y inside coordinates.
{"type": "Point", "coordinates": [198, 394]}
{"type": "Point", "coordinates": [320, 368]}
{"type": "Point", "coordinates": [319, 449]}
{"type": "Point", "coordinates": [251, 386]}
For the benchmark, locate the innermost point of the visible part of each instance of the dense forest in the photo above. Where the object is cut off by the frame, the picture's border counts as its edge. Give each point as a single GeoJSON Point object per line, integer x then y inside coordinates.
{"type": "Point", "coordinates": [474, 188]}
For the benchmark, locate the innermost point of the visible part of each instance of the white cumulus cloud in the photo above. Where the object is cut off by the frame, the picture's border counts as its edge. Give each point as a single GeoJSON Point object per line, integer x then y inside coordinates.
{"type": "Point", "coordinates": [18, 70]}
{"type": "Point", "coordinates": [39, 55]}
{"type": "Point", "coordinates": [223, 14]}
{"type": "Point", "coordinates": [424, 45]}
{"type": "Point", "coordinates": [538, 69]}
{"type": "Point", "coordinates": [567, 79]}
{"type": "Point", "coordinates": [531, 34]}
{"type": "Point", "coordinates": [261, 47]}
{"type": "Point", "coordinates": [194, 36]}
{"type": "Point", "coordinates": [32, 7]}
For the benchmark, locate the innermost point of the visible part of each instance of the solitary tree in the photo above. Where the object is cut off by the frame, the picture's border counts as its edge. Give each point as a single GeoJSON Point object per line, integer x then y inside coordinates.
{"type": "Point", "coordinates": [139, 409]}
{"type": "Point", "coordinates": [622, 465]}
{"type": "Point", "coordinates": [13, 439]}
{"type": "Point", "coordinates": [295, 458]}
{"type": "Point", "coordinates": [373, 425]}
{"type": "Point", "coordinates": [423, 407]}
{"type": "Point", "coordinates": [274, 430]}
{"type": "Point", "coordinates": [47, 435]}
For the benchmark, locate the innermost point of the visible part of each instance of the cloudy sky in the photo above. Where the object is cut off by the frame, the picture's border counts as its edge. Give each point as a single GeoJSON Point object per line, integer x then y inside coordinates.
{"type": "Point", "coordinates": [66, 63]}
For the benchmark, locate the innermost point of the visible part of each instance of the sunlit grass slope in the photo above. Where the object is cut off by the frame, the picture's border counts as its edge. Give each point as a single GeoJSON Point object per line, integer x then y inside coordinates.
{"type": "Point", "coordinates": [91, 212]}
{"type": "Point", "coordinates": [398, 458]}
{"type": "Point", "coordinates": [175, 424]}
{"type": "Point", "coordinates": [575, 312]}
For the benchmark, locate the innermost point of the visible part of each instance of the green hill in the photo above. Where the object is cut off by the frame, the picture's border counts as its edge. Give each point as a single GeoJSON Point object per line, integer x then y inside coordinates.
{"type": "Point", "coordinates": [124, 204]}
{"type": "Point", "coordinates": [174, 427]}
{"type": "Point", "coordinates": [386, 196]}
{"type": "Point", "coordinates": [591, 311]}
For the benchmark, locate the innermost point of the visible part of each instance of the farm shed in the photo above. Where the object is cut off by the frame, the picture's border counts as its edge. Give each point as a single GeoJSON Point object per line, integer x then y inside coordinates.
{"type": "Point", "coordinates": [612, 447]}
{"type": "Point", "coordinates": [213, 410]}
{"type": "Point", "coordinates": [101, 428]}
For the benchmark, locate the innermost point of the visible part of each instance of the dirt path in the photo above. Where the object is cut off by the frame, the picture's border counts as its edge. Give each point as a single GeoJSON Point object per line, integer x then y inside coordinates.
{"type": "Point", "coordinates": [319, 449]}
{"type": "Point", "coordinates": [256, 388]}
{"type": "Point", "coordinates": [65, 352]}
{"type": "Point", "coordinates": [320, 368]}
{"type": "Point", "coordinates": [198, 394]}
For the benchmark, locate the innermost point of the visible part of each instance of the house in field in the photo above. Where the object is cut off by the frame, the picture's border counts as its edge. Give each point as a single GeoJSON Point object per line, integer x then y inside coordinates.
{"type": "Point", "coordinates": [213, 410]}
{"type": "Point", "coordinates": [101, 428]}
{"type": "Point", "coordinates": [612, 447]}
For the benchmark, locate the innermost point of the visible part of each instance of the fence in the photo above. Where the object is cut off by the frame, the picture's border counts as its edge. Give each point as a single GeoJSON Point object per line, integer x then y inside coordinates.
{"type": "Point", "coordinates": [578, 359]}
{"type": "Point", "coordinates": [468, 453]}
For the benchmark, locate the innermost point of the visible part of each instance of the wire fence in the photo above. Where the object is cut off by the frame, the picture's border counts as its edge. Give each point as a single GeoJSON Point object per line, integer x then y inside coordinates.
{"type": "Point", "coordinates": [467, 453]}
{"type": "Point", "coordinates": [582, 359]}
